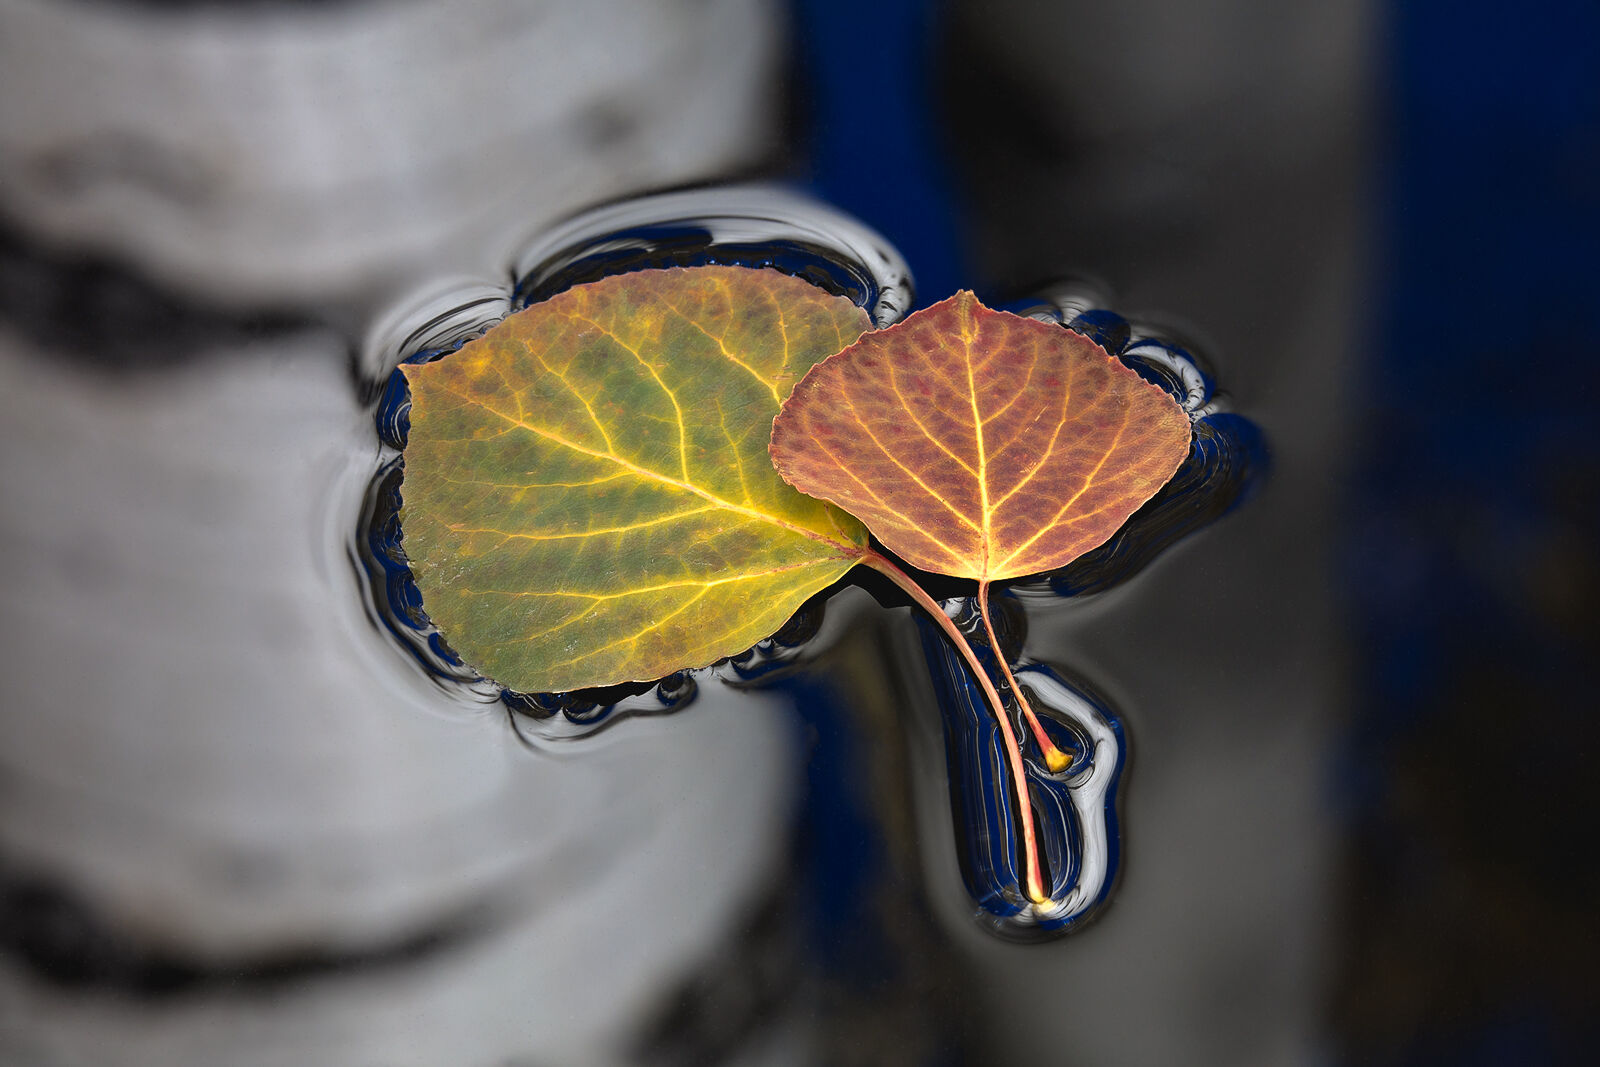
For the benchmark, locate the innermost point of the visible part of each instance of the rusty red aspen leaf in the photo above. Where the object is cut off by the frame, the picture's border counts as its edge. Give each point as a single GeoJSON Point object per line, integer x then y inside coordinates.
{"type": "Point", "coordinates": [978, 443]}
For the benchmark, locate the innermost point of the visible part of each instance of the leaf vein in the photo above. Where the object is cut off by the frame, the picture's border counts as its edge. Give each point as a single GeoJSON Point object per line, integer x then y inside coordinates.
{"type": "Point", "coordinates": [1062, 510]}
{"type": "Point", "coordinates": [656, 476]}
{"type": "Point", "coordinates": [905, 520]}
{"type": "Point", "coordinates": [913, 475]}
{"type": "Point", "coordinates": [660, 587]}
{"type": "Point", "coordinates": [721, 344]}
{"type": "Point", "coordinates": [677, 410]}
{"type": "Point", "coordinates": [660, 520]}
{"type": "Point", "coordinates": [894, 381]}
{"type": "Point", "coordinates": [562, 378]}
{"type": "Point", "coordinates": [967, 337]}
{"type": "Point", "coordinates": [530, 485]}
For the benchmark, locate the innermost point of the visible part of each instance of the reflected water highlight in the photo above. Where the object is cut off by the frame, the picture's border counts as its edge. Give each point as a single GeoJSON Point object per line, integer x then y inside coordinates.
{"type": "Point", "coordinates": [1075, 810]}
{"type": "Point", "coordinates": [746, 225]}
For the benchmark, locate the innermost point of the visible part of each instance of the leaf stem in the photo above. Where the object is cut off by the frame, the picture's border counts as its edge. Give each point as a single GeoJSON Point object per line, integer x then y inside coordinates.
{"type": "Point", "coordinates": [1054, 758]}
{"type": "Point", "coordinates": [1030, 844]}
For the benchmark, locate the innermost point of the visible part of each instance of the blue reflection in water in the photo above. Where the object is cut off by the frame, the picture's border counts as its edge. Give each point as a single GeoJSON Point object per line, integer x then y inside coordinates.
{"type": "Point", "coordinates": [1075, 810]}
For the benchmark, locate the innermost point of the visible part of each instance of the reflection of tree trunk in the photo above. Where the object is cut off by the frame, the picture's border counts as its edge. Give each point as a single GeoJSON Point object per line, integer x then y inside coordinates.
{"type": "Point", "coordinates": [1205, 160]}
{"type": "Point", "coordinates": [210, 749]}
{"type": "Point", "coordinates": [220, 778]}
{"type": "Point", "coordinates": [307, 154]}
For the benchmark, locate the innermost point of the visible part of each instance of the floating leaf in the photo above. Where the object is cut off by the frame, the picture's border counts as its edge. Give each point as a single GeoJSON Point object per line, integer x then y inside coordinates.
{"type": "Point", "coordinates": [984, 445]}
{"type": "Point", "coordinates": [979, 443]}
{"type": "Point", "coordinates": [588, 497]}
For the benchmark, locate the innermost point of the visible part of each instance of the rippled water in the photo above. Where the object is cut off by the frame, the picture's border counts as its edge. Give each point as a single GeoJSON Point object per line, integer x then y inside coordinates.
{"type": "Point", "coordinates": [1076, 809]}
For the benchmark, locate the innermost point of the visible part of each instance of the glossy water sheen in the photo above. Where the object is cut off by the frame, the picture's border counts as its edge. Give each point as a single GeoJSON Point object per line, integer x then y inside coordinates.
{"type": "Point", "coordinates": [1076, 809]}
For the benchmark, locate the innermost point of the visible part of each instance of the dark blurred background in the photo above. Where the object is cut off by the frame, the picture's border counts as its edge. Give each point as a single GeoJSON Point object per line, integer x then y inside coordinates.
{"type": "Point", "coordinates": [1361, 824]}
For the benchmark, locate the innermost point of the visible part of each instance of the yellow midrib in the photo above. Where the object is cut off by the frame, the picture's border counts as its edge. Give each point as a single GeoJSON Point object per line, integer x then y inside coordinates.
{"type": "Point", "coordinates": [968, 336]}
{"type": "Point", "coordinates": [846, 550]}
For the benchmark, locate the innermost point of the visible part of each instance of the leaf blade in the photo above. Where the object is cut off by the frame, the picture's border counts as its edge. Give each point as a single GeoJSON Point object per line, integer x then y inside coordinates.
{"type": "Point", "coordinates": [587, 496]}
{"type": "Point", "coordinates": [978, 443]}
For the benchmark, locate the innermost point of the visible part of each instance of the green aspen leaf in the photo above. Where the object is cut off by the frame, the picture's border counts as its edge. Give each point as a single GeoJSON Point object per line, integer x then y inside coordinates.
{"type": "Point", "coordinates": [588, 497]}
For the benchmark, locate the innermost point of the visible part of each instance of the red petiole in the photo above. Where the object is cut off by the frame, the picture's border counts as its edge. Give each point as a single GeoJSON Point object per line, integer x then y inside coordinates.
{"type": "Point", "coordinates": [1055, 759]}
